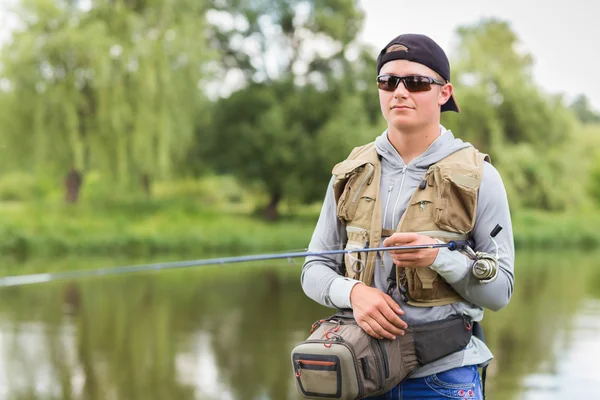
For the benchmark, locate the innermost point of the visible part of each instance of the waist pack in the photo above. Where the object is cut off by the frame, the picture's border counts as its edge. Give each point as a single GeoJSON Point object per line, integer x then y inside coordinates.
{"type": "Point", "coordinates": [340, 361]}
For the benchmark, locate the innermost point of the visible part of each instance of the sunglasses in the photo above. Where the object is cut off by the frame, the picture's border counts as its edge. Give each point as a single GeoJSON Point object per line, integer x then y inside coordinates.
{"type": "Point", "coordinates": [412, 83]}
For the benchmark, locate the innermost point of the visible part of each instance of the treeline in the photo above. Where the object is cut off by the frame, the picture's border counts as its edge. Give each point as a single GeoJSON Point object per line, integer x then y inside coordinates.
{"type": "Point", "coordinates": [136, 92]}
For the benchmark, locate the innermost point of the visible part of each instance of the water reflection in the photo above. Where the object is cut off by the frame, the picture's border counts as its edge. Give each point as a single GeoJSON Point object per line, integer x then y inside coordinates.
{"type": "Point", "coordinates": [226, 333]}
{"type": "Point", "coordinates": [575, 374]}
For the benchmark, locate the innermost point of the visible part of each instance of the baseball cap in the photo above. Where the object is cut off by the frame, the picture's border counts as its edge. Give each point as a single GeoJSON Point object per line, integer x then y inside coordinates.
{"type": "Point", "coordinates": [423, 50]}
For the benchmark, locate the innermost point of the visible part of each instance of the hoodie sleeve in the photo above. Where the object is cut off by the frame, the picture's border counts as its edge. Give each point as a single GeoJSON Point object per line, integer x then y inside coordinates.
{"type": "Point", "coordinates": [455, 267]}
{"type": "Point", "coordinates": [321, 278]}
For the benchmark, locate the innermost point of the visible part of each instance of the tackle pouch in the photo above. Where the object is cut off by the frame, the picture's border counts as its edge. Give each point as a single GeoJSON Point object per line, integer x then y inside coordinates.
{"type": "Point", "coordinates": [340, 361]}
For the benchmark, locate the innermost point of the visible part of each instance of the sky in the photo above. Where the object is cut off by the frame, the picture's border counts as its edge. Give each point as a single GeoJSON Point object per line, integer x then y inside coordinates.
{"type": "Point", "coordinates": [562, 36]}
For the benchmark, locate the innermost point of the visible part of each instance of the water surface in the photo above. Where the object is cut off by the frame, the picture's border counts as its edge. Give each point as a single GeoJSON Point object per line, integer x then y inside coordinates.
{"type": "Point", "coordinates": [226, 332]}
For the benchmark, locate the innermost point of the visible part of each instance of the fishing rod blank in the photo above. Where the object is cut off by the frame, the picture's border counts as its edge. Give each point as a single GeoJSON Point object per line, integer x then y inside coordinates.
{"type": "Point", "coordinates": [19, 280]}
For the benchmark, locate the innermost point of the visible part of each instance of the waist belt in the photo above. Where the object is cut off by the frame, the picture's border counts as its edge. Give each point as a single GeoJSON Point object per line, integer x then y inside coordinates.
{"type": "Point", "coordinates": [340, 360]}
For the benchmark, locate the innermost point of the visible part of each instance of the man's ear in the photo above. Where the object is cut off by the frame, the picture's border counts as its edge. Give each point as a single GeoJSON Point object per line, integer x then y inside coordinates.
{"type": "Point", "coordinates": [445, 93]}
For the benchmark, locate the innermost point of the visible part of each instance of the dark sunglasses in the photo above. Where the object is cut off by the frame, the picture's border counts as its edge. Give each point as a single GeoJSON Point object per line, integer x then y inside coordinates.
{"type": "Point", "coordinates": [412, 83]}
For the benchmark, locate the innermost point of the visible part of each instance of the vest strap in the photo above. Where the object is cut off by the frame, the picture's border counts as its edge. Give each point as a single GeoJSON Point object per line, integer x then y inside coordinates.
{"type": "Point", "coordinates": [387, 232]}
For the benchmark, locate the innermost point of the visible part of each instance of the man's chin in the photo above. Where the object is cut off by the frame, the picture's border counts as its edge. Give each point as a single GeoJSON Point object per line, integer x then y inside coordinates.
{"type": "Point", "coordinates": [405, 123]}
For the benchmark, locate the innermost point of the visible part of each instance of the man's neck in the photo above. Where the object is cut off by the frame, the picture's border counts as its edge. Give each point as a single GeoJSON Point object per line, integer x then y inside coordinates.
{"type": "Point", "coordinates": [411, 144]}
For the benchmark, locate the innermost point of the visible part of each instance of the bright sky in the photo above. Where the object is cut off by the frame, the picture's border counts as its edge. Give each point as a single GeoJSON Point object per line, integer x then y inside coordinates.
{"type": "Point", "coordinates": [562, 36]}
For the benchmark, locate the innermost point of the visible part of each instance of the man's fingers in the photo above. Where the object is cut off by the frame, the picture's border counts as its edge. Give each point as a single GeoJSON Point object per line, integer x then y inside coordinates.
{"type": "Point", "coordinates": [413, 256]}
{"type": "Point", "coordinates": [393, 305]}
{"type": "Point", "coordinates": [391, 324]}
{"type": "Point", "coordinates": [380, 330]}
{"type": "Point", "coordinates": [391, 330]}
{"type": "Point", "coordinates": [392, 313]}
{"type": "Point", "coordinates": [401, 239]}
{"type": "Point", "coordinates": [370, 331]}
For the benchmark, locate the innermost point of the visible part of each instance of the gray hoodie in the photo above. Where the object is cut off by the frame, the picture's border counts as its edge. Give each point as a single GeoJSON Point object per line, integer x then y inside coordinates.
{"type": "Point", "coordinates": [322, 282]}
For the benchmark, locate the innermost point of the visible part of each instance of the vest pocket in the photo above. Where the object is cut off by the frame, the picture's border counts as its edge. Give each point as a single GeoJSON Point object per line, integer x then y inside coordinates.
{"type": "Point", "coordinates": [351, 183]}
{"type": "Point", "coordinates": [420, 283]}
{"type": "Point", "coordinates": [427, 286]}
{"type": "Point", "coordinates": [456, 196]}
{"type": "Point", "coordinates": [318, 375]}
{"type": "Point", "coordinates": [356, 262]}
{"type": "Point", "coordinates": [418, 209]}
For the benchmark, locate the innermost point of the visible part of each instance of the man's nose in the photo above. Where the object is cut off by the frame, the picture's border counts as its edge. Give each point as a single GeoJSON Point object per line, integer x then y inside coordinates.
{"type": "Point", "coordinates": [401, 90]}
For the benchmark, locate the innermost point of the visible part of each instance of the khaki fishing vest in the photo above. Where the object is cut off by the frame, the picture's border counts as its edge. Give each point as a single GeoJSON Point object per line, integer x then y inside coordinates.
{"type": "Point", "coordinates": [443, 207]}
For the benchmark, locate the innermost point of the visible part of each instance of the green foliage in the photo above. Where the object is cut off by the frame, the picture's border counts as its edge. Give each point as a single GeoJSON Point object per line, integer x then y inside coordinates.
{"type": "Point", "coordinates": [530, 136]}
{"type": "Point", "coordinates": [594, 187]}
{"type": "Point", "coordinates": [145, 227]}
{"type": "Point", "coordinates": [111, 88]}
{"type": "Point", "coordinates": [19, 186]}
{"type": "Point", "coordinates": [270, 131]}
{"type": "Point", "coordinates": [186, 222]}
{"type": "Point", "coordinates": [583, 110]}
{"type": "Point", "coordinates": [116, 91]}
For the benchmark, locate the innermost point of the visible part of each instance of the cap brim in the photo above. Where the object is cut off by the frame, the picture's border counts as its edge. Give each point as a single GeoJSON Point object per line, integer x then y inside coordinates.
{"type": "Point", "coordinates": [451, 105]}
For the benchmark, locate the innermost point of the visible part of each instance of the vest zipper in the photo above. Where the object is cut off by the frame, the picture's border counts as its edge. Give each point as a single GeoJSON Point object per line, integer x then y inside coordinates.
{"type": "Point", "coordinates": [387, 203]}
{"type": "Point", "coordinates": [398, 197]}
{"type": "Point", "coordinates": [364, 180]}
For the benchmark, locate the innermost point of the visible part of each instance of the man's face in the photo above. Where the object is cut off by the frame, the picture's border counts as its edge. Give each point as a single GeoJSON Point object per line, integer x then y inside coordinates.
{"type": "Point", "coordinates": [409, 111]}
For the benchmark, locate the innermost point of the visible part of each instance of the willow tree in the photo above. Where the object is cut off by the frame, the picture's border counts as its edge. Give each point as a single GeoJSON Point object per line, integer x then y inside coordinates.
{"type": "Point", "coordinates": [111, 86]}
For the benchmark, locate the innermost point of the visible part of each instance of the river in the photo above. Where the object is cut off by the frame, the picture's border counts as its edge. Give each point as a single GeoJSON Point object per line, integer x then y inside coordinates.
{"type": "Point", "coordinates": [226, 332]}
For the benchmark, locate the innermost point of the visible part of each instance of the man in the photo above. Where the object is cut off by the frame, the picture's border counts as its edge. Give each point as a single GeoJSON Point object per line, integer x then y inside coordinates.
{"type": "Point", "coordinates": [430, 188]}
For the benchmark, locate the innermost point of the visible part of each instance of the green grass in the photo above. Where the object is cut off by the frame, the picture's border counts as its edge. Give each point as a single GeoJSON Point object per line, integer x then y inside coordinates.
{"type": "Point", "coordinates": [534, 229]}
{"type": "Point", "coordinates": [142, 228]}
{"type": "Point", "coordinates": [187, 227]}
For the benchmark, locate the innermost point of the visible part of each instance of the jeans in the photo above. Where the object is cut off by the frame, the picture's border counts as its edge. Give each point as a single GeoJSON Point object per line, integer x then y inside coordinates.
{"type": "Point", "coordinates": [457, 383]}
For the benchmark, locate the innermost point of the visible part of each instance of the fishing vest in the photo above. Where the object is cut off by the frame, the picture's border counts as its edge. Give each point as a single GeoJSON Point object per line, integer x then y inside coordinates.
{"type": "Point", "coordinates": [443, 207]}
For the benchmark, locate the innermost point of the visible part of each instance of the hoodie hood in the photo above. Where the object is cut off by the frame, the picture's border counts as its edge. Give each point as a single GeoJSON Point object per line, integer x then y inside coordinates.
{"type": "Point", "coordinates": [442, 147]}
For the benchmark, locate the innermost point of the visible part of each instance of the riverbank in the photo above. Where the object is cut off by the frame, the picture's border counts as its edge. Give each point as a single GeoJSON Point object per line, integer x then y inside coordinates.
{"type": "Point", "coordinates": [141, 228]}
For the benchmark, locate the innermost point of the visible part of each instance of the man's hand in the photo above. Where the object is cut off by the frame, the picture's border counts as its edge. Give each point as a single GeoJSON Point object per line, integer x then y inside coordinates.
{"type": "Point", "coordinates": [411, 258]}
{"type": "Point", "coordinates": [376, 312]}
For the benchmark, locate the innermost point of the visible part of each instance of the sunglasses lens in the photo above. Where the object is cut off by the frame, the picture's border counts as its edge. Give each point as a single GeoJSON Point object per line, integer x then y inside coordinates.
{"type": "Point", "coordinates": [387, 83]}
{"type": "Point", "coordinates": [417, 84]}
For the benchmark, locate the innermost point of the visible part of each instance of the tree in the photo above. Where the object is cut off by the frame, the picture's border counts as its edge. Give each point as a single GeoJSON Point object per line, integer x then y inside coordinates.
{"type": "Point", "coordinates": [291, 58]}
{"type": "Point", "coordinates": [594, 187]}
{"type": "Point", "coordinates": [529, 134]}
{"type": "Point", "coordinates": [112, 87]}
{"type": "Point", "coordinates": [583, 110]}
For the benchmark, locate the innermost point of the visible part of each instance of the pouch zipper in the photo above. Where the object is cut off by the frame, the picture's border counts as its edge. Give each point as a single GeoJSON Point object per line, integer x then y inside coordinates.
{"type": "Point", "coordinates": [329, 365]}
{"type": "Point", "coordinates": [316, 363]}
{"type": "Point", "coordinates": [385, 359]}
{"type": "Point", "coordinates": [379, 363]}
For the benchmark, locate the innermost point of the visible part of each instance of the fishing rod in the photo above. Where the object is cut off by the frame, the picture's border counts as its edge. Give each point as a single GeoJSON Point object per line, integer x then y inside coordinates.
{"type": "Point", "coordinates": [20, 280]}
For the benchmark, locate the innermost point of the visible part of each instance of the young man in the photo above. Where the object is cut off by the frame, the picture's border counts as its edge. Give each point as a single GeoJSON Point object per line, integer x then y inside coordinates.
{"type": "Point", "coordinates": [416, 184]}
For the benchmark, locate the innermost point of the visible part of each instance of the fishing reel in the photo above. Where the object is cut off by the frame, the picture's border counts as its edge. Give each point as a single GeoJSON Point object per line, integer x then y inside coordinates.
{"type": "Point", "coordinates": [485, 265]}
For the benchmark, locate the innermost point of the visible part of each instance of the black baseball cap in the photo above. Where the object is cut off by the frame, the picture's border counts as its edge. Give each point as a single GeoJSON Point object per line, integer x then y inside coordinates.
{"type": "Point", "coordinates": [423, 50]}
